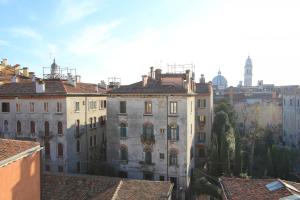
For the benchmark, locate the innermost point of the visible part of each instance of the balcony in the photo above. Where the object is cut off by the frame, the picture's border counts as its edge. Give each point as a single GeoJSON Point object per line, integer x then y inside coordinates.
{"type": "Point", "coordinates": [148, 139]}
{"type": "Point", "coordinates": [44, 135]}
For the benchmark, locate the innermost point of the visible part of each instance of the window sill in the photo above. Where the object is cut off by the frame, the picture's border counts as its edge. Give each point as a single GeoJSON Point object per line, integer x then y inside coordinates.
{"type": "Point", "coordinates": [173, 115]}
{"type": "Point", "coordinates": [122, 114]}
{"type": "Point", "coordinates": [77, 111]}
{"type": "Point", "coordinates": [59, 113]}
{"type": "Point", "coordinates": [148, 114]}
{"type": "Point", "coordinates": [123, 138]}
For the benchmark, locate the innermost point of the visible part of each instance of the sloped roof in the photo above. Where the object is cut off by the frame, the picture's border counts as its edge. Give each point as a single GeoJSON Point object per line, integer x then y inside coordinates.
{"type": "Point", "coordinates": [82, 187]}
{"type": "Point", "coordinates": [53, 87]}
{"type": "Point", "coordinates": [246, 189]}
{"type": "Point", "coordinates": [12, 148]}
{"type": "Point", "coordinates": [152, 86]}
{"type": "Point", "coordinates": [202, 88]}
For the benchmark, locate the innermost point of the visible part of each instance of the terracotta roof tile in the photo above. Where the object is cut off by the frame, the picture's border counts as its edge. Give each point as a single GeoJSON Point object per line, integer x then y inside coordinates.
{"type": "Point", "coordinates": [9, 148]}
{"type": "Point", "coordinates": [246, 189]}
{"type": "Point", "coordinates": [82, 187]}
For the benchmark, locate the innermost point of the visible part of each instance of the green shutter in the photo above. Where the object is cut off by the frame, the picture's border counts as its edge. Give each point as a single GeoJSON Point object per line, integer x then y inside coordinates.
{"type": "Point", "coordinates": [177, 132]}
{"type": "Point", "coordinates": [169, 132]}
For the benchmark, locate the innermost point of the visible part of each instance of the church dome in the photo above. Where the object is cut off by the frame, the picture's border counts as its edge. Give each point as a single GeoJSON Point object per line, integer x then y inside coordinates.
{"type": "Point", "coordinates": [219, 81]}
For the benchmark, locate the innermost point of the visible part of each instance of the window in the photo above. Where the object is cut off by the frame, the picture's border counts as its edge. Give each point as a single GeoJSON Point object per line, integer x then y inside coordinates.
{"type": "Point", "coordinates": [148, 157]}
{"type": "Point", "coordinates": [18, 107]}
{"type": "Point", "coordinates": [77, 127]}
{"type": "Point", "coordinates": [123, 130]}
{"type": "Point", "coordinates": [91, 122]}
{"type": "Point", "coordinates": [122, 174]}
{"type": "Point", "coordinates": [191, 153]}
{"type": "Point", "coordinates": [5, 107]}
{"type": "Point", "coordinates": [173, 107]}
{"type": "Point", "coordinates": [60, 168]}
{"type": "Point", "coordinates": [58, 107]}
{"type": "Point", "coordinates": [122, 106]}
{"type": "Point", "coordinates": [173, 157]}
{"type": "Point", "coordinates": [47, 168]}
{"type": "Point", "coordinates": [102, 104]}
{"type": "Point", "coordinates": [91, 141]}
{"type": "Point", "coordinates": [78, 146]}
{"type": "Point", "coordinates": [162, 130]}
{"type": "Point", "coordinates": [148, 107]}
{"type": "Point", "coordinates": [173, 132]}
{"type": "Point", "coordinates": [191, 106]}
{"type": "Point", "coordinates": [95, 122]}
{"type": "Point", "coordinates": [174, 181]}
{"type": "Point", "coordinates": [291, 102]}
{"type": "Point", "coordinates": [95, 140]}
{"type": "Point", "coordinates": [77, 106]}
{"type": "Point", "coordinates": [148, 176]}
{"type": "Point", "coordinates": [60, 150]}
{"type": "Point", "coordinates": [202, 120]}
{"type": "Point", "coordinates": [47, 130]}
{"type": "Point", "coordinates": [59, 128]}
{"type": "Point", "coordinates": [47, 149]}
{"type": "Point", "coordinates": [31, 107]}
{"type": "Point", "coordinates": [162, 178]}
{"type": "Point", "coordinates": [78, 167]}
{"type": "Point", "coordinates": [283, 101]}
{"type": "Point", "coordinates": [124, 153]}
{"type": "Point", "coordinates": [201, 137]}
{"type": "Point", "coordinates": [201, 152]}
{"type": "Point", "coordinates": [201, 103]}
{"type": "Point", "coordinates": [148, 133]}
{"type": "Point", "coordinates": [92, 105]}
{"type": "Point", "coordinates": [19, 128]}
{"type": "Point", "coordinates": [5, 129]}
{"type": "Point", "coordinates": [32, 127]}
{"type": "Point", "coordinates": [162, 156]}
{"type": "Point", "coordinates": [102, 120]}
{"type": "Point", "coordinates": [45, 106]}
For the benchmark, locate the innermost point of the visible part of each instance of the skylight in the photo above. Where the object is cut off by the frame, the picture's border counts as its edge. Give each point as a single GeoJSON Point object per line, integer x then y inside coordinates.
{"type": "Point", "coordinates": [291, 197]}
{"type": "Point", "coordinates": [275, 185]}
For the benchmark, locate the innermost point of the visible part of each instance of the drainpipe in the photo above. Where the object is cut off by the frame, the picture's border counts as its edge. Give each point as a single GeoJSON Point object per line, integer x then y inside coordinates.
{"type": "Point", "coordinates": [167, 98]}
{"type": "Point", "coordinates": [86, 135]}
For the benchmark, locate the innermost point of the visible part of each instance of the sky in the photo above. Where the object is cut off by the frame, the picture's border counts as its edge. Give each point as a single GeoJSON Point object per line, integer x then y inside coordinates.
{"type": "Point", "coordinates": [123, 39]}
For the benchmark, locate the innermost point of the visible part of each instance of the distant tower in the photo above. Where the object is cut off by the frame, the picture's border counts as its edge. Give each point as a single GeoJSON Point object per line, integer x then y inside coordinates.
{"type": "Point", "coordinates": [54, 70]}
{"type": "Point", "coordinates": [248, 72]}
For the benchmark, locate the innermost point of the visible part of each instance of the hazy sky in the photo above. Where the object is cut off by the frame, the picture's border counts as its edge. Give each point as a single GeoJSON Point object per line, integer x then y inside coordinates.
{"type": "Point", "coordinates": [124, 38]}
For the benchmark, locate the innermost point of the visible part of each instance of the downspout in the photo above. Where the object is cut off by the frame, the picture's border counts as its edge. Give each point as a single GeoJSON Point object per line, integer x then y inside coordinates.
{"type": "Point", "coordinates": [167, 98]}
{"type": "Point", "coordinates": [86, 135]}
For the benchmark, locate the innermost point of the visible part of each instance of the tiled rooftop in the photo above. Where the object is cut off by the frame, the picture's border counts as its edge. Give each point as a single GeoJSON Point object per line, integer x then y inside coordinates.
{"type": "Point", "coordinates": [203, 88]}
{"type": "Point", "coordinates": [9, 148]}
{"type": "Point", "coordinates": [246, 189]}
{"type": "Point", "coordinates": [52, 87]}
{"type": "Point", "coordinates": [82, 187]}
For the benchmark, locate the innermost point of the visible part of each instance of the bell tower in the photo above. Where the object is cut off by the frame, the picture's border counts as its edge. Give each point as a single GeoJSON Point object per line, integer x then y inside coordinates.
{"type": "Point", "coordinates": [248, 73]}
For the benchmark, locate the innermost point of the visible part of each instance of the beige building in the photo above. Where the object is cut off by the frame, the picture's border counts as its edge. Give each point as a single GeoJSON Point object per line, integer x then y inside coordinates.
{"type": "Point", "coordinates": [151, 127]}
{"type": "Point", "coordinates": [204, 118]}
{"type": "Point", "coordinates": [65, 116]}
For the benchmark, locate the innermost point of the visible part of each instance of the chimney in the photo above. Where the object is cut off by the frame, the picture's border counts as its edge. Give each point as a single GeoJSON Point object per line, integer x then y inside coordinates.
{"type": "Point", "coordinates": [71, 80]}
{"type": "Point", "coordinates": [40, 86]}
{"type": "Point", "coordinates": [145, 80]}
{"type": "Point", "coordinates": [4, 61]}
{"type": "Point", "coordinates": [17, 69]}
{"type": "Point", "coordinates": [78, 78]}
{"type": "Point", "coordinates": [31, 74]}
{"type": "Point", "coordinates": [158, 74]}
{"type": "Point", "coordinates": [14, 79]}
{"type": "Point", "coordinates": [25, 71]}
{"type": "Point", "coordinates": [151, 72]}
{"type": "Point", "coordinates": [202, 79]}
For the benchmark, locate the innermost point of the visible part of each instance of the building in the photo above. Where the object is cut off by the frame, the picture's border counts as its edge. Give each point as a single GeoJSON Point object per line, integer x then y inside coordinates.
{"type": "Point", "coordinates": [19, 169]}
{"type": "Point", "coordinates": [291, 116]}
{"type": "Point", "coordinates": [204, 120]}
{"type": "Point", "coordinates": [81, 187]}
{"type": "Point", "coordinates": [248, 73]}
{"type": "Point", "coordinates": [151, 127]}
{"type": "Point", "coordinates": [259, 189]}
{"type": "Point", "coordinates": [66, 116]}
{"type": "Point", "coordinates": [219, 82]}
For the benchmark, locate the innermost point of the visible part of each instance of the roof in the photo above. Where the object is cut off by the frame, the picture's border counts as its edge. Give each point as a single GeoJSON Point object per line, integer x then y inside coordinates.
{"type": "Point", "coordinates": [153, 86]}
{"type": "Point", "coordinates": [52, 87]}
{"type": "Point", "coordinates": [246, 189]}
{"type": "Point", "coordinates": [202, 88]}
{"type": "Point", "coordinates": [81, 187]}
{"type": "Point", "coordinates": [11, 150]}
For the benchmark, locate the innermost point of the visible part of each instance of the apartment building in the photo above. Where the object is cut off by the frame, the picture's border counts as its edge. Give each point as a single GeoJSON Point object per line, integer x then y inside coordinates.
{"type": "Point", "coordinates": [150, 126]}
{"type": "Point", "coordinates": [204, 119]}
{"type": "Point", "coordinates": [67, 117]}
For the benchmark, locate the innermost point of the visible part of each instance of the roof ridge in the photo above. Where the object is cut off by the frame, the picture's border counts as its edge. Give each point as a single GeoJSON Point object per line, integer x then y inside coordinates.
{"type": "Point", "coordinates": [117, 190]}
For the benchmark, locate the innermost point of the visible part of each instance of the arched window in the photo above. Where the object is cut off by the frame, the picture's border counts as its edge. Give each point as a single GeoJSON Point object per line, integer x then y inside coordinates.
{"type": "Point", "coordinates": [47, 149]}
{"type": "Point", "coordinates": [19, 128]}
{"type": "Point", "coordinates": [32, 127]}
{"type": "Point", "coordinates": [47, 133]}
{"type": "Point", "coordinates": [5, 129]}
{"type": "Point", "coordinates": [173, 132]}
{"type": "Point", "coordinates": [123, 153]}
{"type": "Point", "coordinates": [123, 130]}
{"type": "Point", "coordinates": [59, 128]}
{"type": "Point", "coordinates": [60, 150]}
